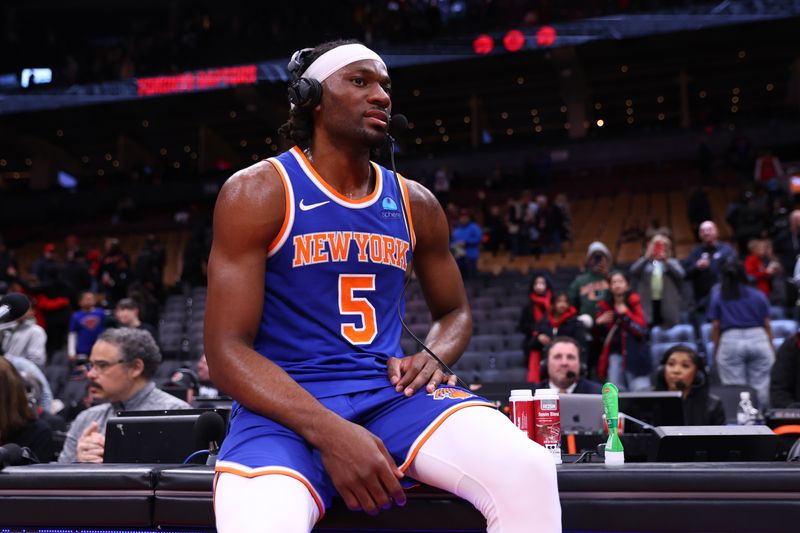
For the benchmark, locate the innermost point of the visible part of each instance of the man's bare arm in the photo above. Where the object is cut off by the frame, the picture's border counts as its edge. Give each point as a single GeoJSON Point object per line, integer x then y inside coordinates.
{"type": "Point", "coordinates": [444, 292]}
{"type": "Point", "coordinates": [247, 218]}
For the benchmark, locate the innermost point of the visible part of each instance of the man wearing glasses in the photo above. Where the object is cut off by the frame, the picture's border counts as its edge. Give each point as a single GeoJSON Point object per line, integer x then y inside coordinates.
{"type": "Point", "coordinates": [120, 371]}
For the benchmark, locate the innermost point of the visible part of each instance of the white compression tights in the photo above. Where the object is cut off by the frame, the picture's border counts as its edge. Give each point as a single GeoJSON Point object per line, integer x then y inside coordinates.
{"type": "Point", "coordinates": [477, 454]}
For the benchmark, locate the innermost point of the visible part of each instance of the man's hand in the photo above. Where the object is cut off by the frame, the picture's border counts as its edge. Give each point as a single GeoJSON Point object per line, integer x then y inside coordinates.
{"type": "Point", "coordinates": [362, 470]}
{"type": "Point", "coordinates": [544, 339]}
{"type": "Point", "coordinates": [91, 445]}
{"type": "Point", "coordinates": [411, 373]}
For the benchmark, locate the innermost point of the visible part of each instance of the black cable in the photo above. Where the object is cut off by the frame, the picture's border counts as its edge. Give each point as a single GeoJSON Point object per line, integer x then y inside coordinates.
{"type": "Point", "coordinates": [410, 273]}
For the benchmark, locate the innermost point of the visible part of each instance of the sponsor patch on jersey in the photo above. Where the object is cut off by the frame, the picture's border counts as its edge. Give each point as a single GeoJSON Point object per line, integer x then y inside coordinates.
{"type": "Point", "coordinates": [389, 208]}
{"type": "Point", "coordinates": [450, 393]}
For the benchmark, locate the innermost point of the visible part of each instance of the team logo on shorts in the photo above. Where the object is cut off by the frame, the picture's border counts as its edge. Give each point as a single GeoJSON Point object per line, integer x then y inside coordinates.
{"type": "Point", "coordinates": [450, 393]}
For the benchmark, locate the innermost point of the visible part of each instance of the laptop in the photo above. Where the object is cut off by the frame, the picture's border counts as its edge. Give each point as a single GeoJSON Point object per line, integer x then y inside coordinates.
{"type": "Point", "coordinates": [163, 437]}
{"type": "Point", "coordinates": [581, 413]}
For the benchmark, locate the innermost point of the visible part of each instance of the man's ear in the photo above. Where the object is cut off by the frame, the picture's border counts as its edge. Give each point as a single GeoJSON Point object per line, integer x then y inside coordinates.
{"type": "Point", "coordinates": [137, 367]}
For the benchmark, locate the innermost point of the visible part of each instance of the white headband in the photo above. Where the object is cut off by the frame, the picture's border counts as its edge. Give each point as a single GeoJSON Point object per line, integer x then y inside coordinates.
{"type": "Point", "coordinates": [339, 57]}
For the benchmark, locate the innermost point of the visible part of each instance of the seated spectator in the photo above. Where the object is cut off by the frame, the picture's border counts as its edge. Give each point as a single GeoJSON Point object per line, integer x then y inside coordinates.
{"type": "Point", "coordinates": [560, 320]}
{"type": "Point", "coordinates": [761, 265]}
{"type": "Point", "coordinates": [127, 314]}
{"type": "Point", "coordinates": [562, 363]}
{"type": "Point", "coordinates": [703, 264]}
{"type": "Point", "coordinates": [465, 243]}
{"type": "Point", "coordinates": [206, 387]}
{"type": "Point", "coordinates": [26, 366]}
{"type": "Point", "coordinates": [660, 278]}
{"type": "Point", "coordinates": [121, 367]}
{"type": "Point", "coordinates": [86, 324]}
{"type": "Point", "coordinates": [784, 388]}
{"type": "Point", "coordinates": [768, 170]}
{"type": "Point", "coordinates": [18, 421]}
{"type": "Point", "coordinates": [625, 358]}
{"type": "Point", "coordinates": [26, 339]}
{"type": "Point", "coordinates": [741, 332]}
{"type": "Point", "coordinates": [682, 369]}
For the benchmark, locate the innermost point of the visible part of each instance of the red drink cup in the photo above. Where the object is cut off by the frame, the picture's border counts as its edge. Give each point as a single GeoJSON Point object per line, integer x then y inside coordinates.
{"type": "Point", "coordinates": [521, 410]}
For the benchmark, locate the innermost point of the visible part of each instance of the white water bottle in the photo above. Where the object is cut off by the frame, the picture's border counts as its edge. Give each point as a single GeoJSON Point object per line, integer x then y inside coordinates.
{"type": "Point", "coordinates": [746, 413]}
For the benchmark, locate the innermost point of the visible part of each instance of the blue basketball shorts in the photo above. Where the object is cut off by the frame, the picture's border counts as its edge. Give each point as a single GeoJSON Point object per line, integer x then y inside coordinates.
{"type": "Point", "coordinates": [256, 445]}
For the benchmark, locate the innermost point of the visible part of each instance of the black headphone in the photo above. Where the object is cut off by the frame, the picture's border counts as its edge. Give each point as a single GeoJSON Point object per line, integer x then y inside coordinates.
{"type": "Point", "coordinates": [584, 370]}
{"type": "Point", "coordinates": [700, 376]}
{"type": "Point", "coordinates": [304, 93]}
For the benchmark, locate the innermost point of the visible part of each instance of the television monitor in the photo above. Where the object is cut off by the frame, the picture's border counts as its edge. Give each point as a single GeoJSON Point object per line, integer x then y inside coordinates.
{"type": "Point", "coordinates": [656, 408]}
{"type": "Point", "coordinates": [167, 436]}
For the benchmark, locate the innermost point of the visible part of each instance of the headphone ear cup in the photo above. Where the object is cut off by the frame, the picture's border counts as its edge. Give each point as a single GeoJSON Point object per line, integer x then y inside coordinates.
{"type": "Point", "coordinates": [700, 377]}
{"type": "Point", "coordinates": [305, 93]}
{"type": "Point", "coordinates": [543, 366]}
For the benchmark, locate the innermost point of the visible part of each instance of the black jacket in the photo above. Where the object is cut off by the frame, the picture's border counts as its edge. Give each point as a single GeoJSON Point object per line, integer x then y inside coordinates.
{"type": "Point", "coordinates": [784, 388]}
{"type": "Point", "coordinates": [700, 407]}
{"type": "Point", "coordinates": [585, 386]}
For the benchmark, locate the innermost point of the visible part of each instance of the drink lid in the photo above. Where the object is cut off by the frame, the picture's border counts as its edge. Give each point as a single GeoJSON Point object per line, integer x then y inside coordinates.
{"type": "Point", "coordinates": [546, 393]}
{"type": "Point", "coordinates": [521, 393]}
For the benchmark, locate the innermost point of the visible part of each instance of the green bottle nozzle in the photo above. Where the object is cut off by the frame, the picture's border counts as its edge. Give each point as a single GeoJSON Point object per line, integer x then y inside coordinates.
{"type": "Point", "coordinates": [614, 450]}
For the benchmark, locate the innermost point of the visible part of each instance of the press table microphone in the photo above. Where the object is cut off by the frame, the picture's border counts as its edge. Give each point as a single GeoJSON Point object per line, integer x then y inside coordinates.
{"type": "Point", "coordinates": [210, 428]}
{"type": "Point", "coordinates": [10, 455]}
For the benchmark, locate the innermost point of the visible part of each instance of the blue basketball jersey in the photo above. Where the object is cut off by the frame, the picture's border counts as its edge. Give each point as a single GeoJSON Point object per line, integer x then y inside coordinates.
{"type": "Point", "coordinates": [334, 277]}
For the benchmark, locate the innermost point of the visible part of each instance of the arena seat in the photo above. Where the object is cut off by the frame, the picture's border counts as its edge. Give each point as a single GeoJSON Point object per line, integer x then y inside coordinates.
{"type": "Point", "coordinates": [677, 333]}
{"type": "Point", "coordinates": [783, 328]}
{"type": "Point", "coordinates": [657, 349]}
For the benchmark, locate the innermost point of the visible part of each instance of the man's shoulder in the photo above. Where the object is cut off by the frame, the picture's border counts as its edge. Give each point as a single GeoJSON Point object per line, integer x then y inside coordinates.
{"type": "Point", "coordinates": [91, 414]}
{"type": "Point", "coordinates": [252, 182]}
{"type": "Point", "coordinates": [166, 400]}
{"type": "Point", "coordinates": [587, 386]}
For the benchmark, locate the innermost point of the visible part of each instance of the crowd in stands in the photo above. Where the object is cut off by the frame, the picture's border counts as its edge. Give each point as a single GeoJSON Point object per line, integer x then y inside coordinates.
{"type": "Point", "coordinates": [720, 312]}
{"type": "Point", "coordinates": [737, 300]}
{"type": "Point", "coordinates": [88, 343]}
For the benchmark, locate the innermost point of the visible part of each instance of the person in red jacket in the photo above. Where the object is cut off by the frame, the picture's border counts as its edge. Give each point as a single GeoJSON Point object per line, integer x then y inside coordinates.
{"type": "Point", "coordinates": [621, 324]}
{"type": "Point", "coordinates": [761, 265]}
{"type": "Point", "coordinates": [561, 320]}
{"type": "Point", "coordinates": [535, 311]}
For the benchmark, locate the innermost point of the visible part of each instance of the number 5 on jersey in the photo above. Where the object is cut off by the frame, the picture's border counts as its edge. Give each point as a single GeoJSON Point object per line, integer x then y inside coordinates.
{"type": "Point", "coordinates": [350, 304]}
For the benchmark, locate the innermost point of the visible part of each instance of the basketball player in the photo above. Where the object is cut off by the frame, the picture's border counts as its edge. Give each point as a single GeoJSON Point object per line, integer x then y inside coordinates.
{"type": "Point", "coordinates": [306, 270]}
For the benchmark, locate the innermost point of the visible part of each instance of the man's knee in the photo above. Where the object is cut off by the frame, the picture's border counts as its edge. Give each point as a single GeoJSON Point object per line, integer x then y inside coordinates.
{"type": "Point", "coordinates": [263, 504]}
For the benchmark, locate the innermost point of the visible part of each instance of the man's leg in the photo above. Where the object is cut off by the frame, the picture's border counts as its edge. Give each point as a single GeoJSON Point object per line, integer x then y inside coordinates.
{"type": "Point", "coordinates": [479, 455]}
{"type": "Point", "coordinates": [272, 503]}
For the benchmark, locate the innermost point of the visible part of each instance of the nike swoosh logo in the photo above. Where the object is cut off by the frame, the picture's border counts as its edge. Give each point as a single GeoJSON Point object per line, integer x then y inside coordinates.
{"type": "Point", "coordinates": [309, 207]}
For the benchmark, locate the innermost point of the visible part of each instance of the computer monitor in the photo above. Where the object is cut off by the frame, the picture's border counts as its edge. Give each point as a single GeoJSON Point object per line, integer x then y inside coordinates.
{"type": "Point", "coordinates": [714, 444]}
{"type": "Point", "coordinates": [167, 436]}
{"type": "Point", "coordinates": [657, 408]}
{"type": "Point", "coordinates": [581, 413]}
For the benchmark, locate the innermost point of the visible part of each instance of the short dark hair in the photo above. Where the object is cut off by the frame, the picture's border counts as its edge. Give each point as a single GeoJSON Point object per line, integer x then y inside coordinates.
{"type": "Point", "coordinates": [135, 344]}
{"type": "Point", "coordinates": [300, 127]}
{"type": "Point", "coordinates": [566, 340]}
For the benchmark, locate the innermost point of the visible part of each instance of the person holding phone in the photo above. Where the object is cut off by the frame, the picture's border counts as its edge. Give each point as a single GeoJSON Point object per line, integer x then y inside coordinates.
{"type": "Point", "coordinates": [659, 278]}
